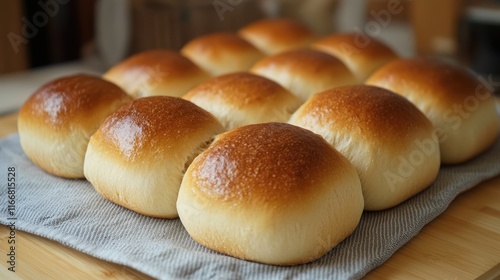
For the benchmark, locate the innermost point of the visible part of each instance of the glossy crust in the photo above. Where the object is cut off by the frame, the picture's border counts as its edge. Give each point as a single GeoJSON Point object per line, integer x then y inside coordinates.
{"type": "Point", "coordinates": [363, 55]}
{"type": "Point", "coordinates": [390, 142]}
{"type": "Point", "coordinates": [276, 35]}
{"type": "Point", "coordinates": [243, 98]}
{"type": "Point", "coordinates": [222, 53]}
{"type": "Point", "coordinates": [156, 72]}
{"type": "Point", "coordinates": [459, 106]}
{"type": "Point", "coordinates": [304, 72]}
{"type": "Point", "coordinates": [56, 122]}
{"type": "Point", "coordinates": [138, 155]}
{"type": "Point", "coordinates": [271, 193]}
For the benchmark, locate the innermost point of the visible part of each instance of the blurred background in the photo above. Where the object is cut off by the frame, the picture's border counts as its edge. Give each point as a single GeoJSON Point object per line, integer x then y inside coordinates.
{"type": "Point", "coordinates": [46, 38]}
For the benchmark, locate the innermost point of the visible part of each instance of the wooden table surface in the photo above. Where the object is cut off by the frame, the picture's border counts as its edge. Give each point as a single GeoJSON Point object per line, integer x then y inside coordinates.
{"type": "Point", "coordinates": [462, 243]}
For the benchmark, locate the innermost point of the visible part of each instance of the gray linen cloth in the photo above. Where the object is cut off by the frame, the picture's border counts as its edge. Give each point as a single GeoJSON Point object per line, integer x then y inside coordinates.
{"type": "Point", "coordinates": [72, 213]}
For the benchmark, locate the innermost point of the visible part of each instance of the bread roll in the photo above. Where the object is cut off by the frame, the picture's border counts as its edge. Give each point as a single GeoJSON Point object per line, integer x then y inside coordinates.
{"type": "Point", "coordinates": [271, 193]}
{"type": "Point", "coordinates": [56, 122]}
{"type": "Point", "coordinates": [239, 99]}
{"type": "Point", "coordinates": [276, 35]}
{"type": "Point", "coordinates": [304, 72]}
{"type": "Point", "coordinates": [389, 141]}
{"type": "Point", "coordinates": [137, 157]}
{"type": "Point", "coordinates": [362, 55]}
{"type": "Point", "coordinates": [156, 72]}
{"type": "Point", "coordinates": [461, 108]}
{"type": "Point", "coordinates": [222, 53]}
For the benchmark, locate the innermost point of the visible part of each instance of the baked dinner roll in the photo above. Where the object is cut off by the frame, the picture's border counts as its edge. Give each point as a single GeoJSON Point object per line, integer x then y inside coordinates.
{"type": "Point", "coordinates": [362, 56]}
{"type": "Point", "coordinates": [156, 72]}
{"type": "Point", "coordinates": [222, 53]}
{"type": "Point", "coordinates": [461, 108]}
{"type": "Point", "coordinates": [138, 155]}
{"type": "Point", "coordinates": [239, 99]}
{"type": "Point", "coordinates": [389, 141]}
{"type": "Point", "coordinates": [275, 35]}
{"type": "Point", "coordinates": [304, 72]}
{"type": "Point", "coordinates": [271, 193]}
{"type": "Point", "coordinates": [56, 122]}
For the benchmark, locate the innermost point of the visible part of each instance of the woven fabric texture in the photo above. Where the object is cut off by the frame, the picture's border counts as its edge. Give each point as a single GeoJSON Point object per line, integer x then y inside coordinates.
{"type": "Point", "coordinates": [72, 213]}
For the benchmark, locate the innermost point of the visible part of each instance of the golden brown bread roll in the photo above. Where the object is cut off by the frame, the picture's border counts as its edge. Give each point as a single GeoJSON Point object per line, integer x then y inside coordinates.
{"type": "Point", "coordinates": [272, 193]}
{"type": "Point", "coordinates": [156, 72]}
{"type": "Point", "coordinates": [276, 35]}
{"type": "Point", "coordinates": [304, 72]}
{"type": "Point", "coordinates": [138, 155]}
{"type": "Point", "coordinates": [221, 53]}
{"type": "Point", "coordinates": [362, 57]}
{"type": "Point", "coordinates": [390, 142]}
{"type": "Point", "coordinates": [461, 108]}
{"type": "Point", "coordinates": [56, 122]}
{"type": "Point", "coordinates": [239, 99]}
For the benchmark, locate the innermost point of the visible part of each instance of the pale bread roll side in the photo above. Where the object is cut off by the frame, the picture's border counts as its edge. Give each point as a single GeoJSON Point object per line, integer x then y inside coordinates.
{"type": "Point", "coordinates": [271, 193]}
{"type": "Point", "coordinates": [55, 123]}
{"type": "Point", "coordinates": [139, 154]}
{"type": "Point", "coordinates": [460, 107]}
{"type": "Point", "coordinates": [390, 142]}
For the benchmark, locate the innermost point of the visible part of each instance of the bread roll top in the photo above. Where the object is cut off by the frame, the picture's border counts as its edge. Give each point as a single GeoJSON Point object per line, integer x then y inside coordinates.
{"type": "Point", "coordinates": [71, 102]}
{"type": "Point", "coordinates": [243, 98]}
{"type": "Point", "coordinates": [156, 72]}
{"type": "Point", "coordinates": [154, 126]}
{"type": "Point", "coordinates": [391, 143]}
{"type": "Point", "coordinates": [272, 193]}
{"type": "Point", "coordinates": [240, 90]}
{"type": "Point", "coordinates": [362, 55]}
{"type": "Point", "coordinates": [270, 165]}
{"type": "Point", "coordinates": [365, 112]}
{"type": "Point", "coordinates": [222, 52]}
{"type": "Point", "coordinates": [460, 107]}
{"type": "Point", "coordinates": [56, 122]}
{"type": "Point", "coordinates": [304, 72]}
{"type": "Point", "coordinates": [275, 35]}
{"type": "Point", "coordinates": [426, 80]}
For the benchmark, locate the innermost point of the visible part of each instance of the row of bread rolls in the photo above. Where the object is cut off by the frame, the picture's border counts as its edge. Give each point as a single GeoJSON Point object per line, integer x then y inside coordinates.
{"type": "Point", "coordinates": [275, 147]}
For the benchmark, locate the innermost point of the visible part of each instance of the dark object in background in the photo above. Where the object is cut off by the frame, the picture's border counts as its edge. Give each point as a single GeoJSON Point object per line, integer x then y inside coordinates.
{"type": "Point", "coordinates": [58, 29]}
{"type": "Point", "coordinates": [479, 42]}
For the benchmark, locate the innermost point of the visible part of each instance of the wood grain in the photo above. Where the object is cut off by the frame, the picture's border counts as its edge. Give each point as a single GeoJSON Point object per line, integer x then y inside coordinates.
{"type": "Point", "coordinates": [8, 124]}
{"type": "Point", "coordinates": [40, 258]}
{"type": "Point", "coordinates": [462, 243]}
